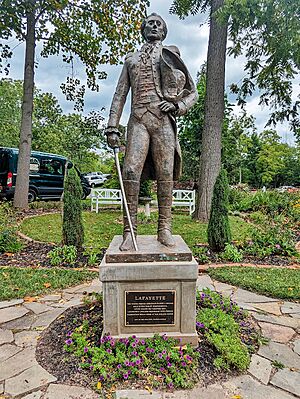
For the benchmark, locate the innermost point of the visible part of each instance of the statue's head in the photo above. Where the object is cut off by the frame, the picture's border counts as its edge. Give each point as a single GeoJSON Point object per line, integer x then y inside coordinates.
{"type": "Point", "coordinates": [154, 28]}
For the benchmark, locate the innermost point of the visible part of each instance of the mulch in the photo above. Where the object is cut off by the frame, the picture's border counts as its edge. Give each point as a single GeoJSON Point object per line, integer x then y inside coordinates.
{"type": "Point", "coordinates": [51, 355]}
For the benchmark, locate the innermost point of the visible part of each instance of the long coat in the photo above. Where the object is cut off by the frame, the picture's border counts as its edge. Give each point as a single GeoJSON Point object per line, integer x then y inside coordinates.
{"type": "Point", "coordinates": [172, 82]}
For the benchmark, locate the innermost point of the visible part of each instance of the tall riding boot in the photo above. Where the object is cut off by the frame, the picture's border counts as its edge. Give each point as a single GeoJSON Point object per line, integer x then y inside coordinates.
{"type": "Point", "coordinates": [164, 196]}
{"type": "Point", "coordinates": [132, 189]}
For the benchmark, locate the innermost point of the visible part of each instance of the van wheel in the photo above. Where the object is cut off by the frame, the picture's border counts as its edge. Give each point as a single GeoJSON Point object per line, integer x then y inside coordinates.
{"type": "Point", "coordinates": [31, 195]}
{"type": "Point", "coordinates": [84, 195]}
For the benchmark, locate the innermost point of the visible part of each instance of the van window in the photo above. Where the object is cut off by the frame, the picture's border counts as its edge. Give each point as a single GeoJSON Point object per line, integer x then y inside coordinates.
{"type": "Point", "coordinates": [3, 162]}
{"type": "Point", "coordinates": [51, 167]}
{"type": "Point", "coordinates": [34, 165]}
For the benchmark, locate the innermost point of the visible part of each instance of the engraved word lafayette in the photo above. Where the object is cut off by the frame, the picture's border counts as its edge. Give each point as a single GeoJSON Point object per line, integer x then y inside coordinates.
{"type": "Point", "coordinates": [161, 89]}
{"type": "Point", "coordinates": [150, 307]}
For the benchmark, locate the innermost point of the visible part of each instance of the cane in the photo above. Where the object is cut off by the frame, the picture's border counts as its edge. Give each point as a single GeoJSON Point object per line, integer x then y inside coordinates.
{"type": "Point", "coordinates": [116, 154]}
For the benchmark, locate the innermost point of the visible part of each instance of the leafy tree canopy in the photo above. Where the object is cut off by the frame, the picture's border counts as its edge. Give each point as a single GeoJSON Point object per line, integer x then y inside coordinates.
{"type": "Point", "coordinates": [267, 33]}
{"type": "Point", "coordinates": [97, 32]}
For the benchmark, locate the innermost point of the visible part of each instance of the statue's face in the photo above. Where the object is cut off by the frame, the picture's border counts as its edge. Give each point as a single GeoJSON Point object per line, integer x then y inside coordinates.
{"type": "Point", "coordinates": [154, 29]}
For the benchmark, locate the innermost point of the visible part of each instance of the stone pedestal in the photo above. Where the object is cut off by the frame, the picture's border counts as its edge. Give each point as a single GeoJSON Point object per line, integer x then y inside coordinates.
{"type": "Point", "coordinates": [150, 291]}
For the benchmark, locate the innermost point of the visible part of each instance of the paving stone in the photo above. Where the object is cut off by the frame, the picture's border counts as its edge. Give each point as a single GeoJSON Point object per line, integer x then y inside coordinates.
{"type": "Point", "coordinates": [32, 378]}
{"type": "Point", "coordinates": [1, 387]}
{"type": "Point", "coordinates": [295, 315]}
{"type": "Point", "coordinates": [34, 395]}
{"type": "Point", "coordinates": [37, 307]}
{"type": "Point", "coordinates": [12, 313]}
{"type": "Point", "coordinates": [13, 302]}
{"type": "Point", "coordinates": [68, 304]}
{"type": "Point", "coordinates": [137, 394]}
{"type": "Point", "coordinates": [205, 281]}
{"type": "Point", "coordinates": [17, 363]}
{"type": "Point", "coordinates": [72, 290]}
{"type": "Point", "coordinates": [51, 298]}
{"type": "Point", "coordinates": [26, 338]}
{"type": "Point", "coordinates": [6, 336]}
{"type": "Point", "coordinates": [23, 323]}
{"type": "Point", "coordinates": [60, 391]}
{"type": "Point", "coordinates": [281, 353]}
{"type": "Point", "coordinates": [8, 351]}
{"type": "Point", "coordinates": [246, 306]}
{"type": "Point", "coordinates": [287, 380]}
{"type": "Point", "coordinates": [44, 319]}
{"type": "Point", "coordinates": [260, 368]}
{"type": "Point", "coordinates": [297, 346]}
{"type": "Point", "coordinates": [280, 320]}
{"type": "Point", "coordinates": [248, 388]}
{"type": "Point", "coordinates": [241, 295]}
{"type": "Point", "coordinates": [176, 395]}
{"type": "Point", "coordinates": [290, 307]}
{"type": "Point", "coordinates": [223, 288]}
{"type": "Point", "coordinates": [277, 333]}
{"type": "Point", "coordinates": [211, 392]}
{"type": "Point", "coordinates": [94, 287]}
{"type": "Point", "coordinates": [273, 307]}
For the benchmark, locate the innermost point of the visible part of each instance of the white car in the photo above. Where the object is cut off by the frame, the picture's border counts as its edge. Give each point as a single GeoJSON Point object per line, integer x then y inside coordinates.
{"type": "Point", "coordinates": [95, 180]}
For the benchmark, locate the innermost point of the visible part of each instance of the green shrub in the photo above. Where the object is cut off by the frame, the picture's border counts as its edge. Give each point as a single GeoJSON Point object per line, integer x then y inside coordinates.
{"type": "Point", "coordinates": [72, 229]}
{"type": "Point", "coordinates": [9, 241]}
{"type": "Point", "coordinates": [218, 231]}
{"type": "Point", "coordinates": [231, 253]}
{"type": "Point", "coordinates": [65, 254]}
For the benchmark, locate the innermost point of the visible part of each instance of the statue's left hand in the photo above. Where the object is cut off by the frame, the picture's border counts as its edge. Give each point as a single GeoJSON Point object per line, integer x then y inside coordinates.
{"type": "Point", "coordinates": [166, 106]}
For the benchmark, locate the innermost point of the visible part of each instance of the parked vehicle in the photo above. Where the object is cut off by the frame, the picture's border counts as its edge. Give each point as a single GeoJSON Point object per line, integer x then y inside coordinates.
{"type": "Point", "coordinates": [46, 179]}
{"type": "Point", "coordinates": [104, 175]}
{"type": "Point", "coordinates": [289, 189]}
{"type": "Point", "coordinates": [95, 180]}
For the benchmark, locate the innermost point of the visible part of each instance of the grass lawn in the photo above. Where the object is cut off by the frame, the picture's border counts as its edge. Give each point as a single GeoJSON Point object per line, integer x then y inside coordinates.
{"type": "Point", "coordinates": [18, 282]}
{"type": "Point", "coordinates": [275, 282]}
{"type": "Point", "coordinates": [100, 228]}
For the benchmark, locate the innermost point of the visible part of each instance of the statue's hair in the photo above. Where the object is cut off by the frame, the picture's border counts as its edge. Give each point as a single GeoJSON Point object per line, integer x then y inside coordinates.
{"type": "Point", "coordinates": [165, 28]}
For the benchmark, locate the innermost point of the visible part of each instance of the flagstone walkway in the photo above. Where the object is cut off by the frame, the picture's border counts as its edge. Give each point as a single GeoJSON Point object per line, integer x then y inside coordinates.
{"type": "Point", "coordinates": [21, 324]}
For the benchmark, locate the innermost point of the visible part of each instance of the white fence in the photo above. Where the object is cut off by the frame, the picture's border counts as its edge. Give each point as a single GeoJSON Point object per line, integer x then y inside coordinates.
{"type": "Point", "coordinates": [183, 198]}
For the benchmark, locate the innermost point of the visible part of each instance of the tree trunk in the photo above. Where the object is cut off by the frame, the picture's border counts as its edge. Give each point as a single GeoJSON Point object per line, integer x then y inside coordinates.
{"type": "Point", "coordinates": [22, 182]}
{"type": "Point", "coordinates": [210, 159]}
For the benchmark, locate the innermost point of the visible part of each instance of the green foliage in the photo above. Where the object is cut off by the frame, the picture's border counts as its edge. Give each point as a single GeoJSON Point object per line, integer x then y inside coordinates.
{"type": "Point", "coordinates": [72, 228]}
{"type": "Point", "coordinates": [157, 360]}
{"type": "Point", "coordinates": [218, 317]}
{"type": "Point", "coordinates": [18, 282]}
{"type": "Point", "coordinates": [278, 365]}
{"type": "Point", "coordinates": [95, 32]}
{"type": "Point", "coordinates": [9, 241]}
{"type": "Point", "coordinates": [66, 254]}
{"type": "Point", "coordinates": [201, 254]}
{"type": "Point", "coordinates": [146, 189]}
{"type": "Point", "coordinates": [218, 231]}
{"type": "Point", "coordinates": [231, 254]}
{"type": "Point", "coordinates": [275, 282]}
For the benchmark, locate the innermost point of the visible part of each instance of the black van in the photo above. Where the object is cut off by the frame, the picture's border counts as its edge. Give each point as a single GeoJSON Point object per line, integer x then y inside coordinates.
{"type": "Point", "coordinates": [46, 179]}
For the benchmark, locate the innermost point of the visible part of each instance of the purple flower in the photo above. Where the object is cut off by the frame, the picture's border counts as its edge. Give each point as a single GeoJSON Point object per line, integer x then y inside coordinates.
{"type": "Point", "coordinates": [112, 342]}
{"type": "Point", "coordinates": [127, 362]}
{"type": "Point", "coordinates": [133, 344]}
{"type": "Point", "coordinates": [188, 358]}
{"type": "Point", "coordinates": [108, 350]}
{"type": "Point", "coordinates": [277, 246]}
{"type": "Point", "coordinates": [134, 353]}
{"type": "Point", "coordinates": [91, 367]}
{"type": "Point", "coordinates": [183, 364]}
{"type": "Point", "coordinates": [152, 350]}
{"type": "Point", "coordinates": [137, 362]}
{"type": "Point", "coordinates": [148, 349]}
{"type": "Point", "coordinates": [134, 336]}
{"type": "Point", "coordinates": [136, 341]}
{"type": "Point", "coordinates": [200, 325]}
{"type": "Point", "coordinates": [119, 366]}
{"type": "Point", "coordinates": [164, 352]}
{"type": "Point", "coordinates": [102, 340]}
{"type": "Point", "coordinates": [69, 333]}
{"type": "Point", "coordinates": [160, 355]}
{"type": "Point", "coordinates": [170, 385]}
{"type": "Point", "coordinates": [125, 376]}
{"type": "Point", "coordinates": [169, 364]}
{"type": "Point", "coordinates": [165, 338]}
{"type": "Point", "coordinates": [162, 369]}
{"type": "Point", "coordinates": [69, 341]}
{"type": "Point", "coordinates": [143, 342]}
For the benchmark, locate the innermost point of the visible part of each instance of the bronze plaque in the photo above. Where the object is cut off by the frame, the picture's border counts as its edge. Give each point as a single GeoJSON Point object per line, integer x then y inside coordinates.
{"type": "Point", "coordinates": [150, 308]}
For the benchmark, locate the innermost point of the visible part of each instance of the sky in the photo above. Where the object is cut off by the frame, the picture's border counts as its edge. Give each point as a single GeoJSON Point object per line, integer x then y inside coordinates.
{"type": "Point", "coordinates": [189, 35]}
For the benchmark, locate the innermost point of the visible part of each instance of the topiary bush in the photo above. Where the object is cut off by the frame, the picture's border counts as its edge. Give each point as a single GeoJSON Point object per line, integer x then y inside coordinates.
{"type": "Point", "coordinates": [73, 233]}
{"type": "Point", "coordinates": [218, 231]}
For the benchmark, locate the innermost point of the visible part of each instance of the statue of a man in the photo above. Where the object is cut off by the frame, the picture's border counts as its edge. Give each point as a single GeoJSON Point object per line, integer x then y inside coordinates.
{"type": "Point", "coordinates": [161, 89]}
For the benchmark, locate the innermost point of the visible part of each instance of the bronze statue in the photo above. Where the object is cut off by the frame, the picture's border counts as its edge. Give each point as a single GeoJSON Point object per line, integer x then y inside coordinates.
{"type": "Point", "coordinates": [161, 89]}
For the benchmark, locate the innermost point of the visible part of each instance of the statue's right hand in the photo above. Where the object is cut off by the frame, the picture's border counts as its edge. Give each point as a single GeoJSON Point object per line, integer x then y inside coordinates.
{"type": "Point", "coordinates": [112, 137]}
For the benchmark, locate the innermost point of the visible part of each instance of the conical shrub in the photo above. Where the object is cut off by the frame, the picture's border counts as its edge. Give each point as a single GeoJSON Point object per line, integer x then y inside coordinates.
{"type": "Point", "coordinates": [73, 233]}
{"type": "Point", "coordinates": [218, 231]}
